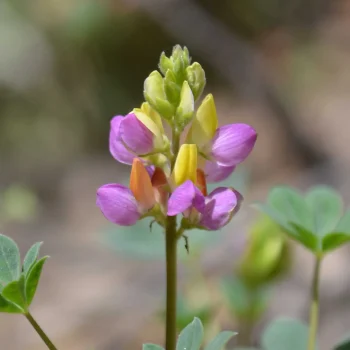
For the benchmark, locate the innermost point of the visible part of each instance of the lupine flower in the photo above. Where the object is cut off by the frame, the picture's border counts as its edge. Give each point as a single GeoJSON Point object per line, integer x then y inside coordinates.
{"type": "Point", "coordinates": [222, 147]}
{"type": "Point", "coordinates": [190, 198]}
{"type": "Point", "coordinates": [125, 206]}
{"type": "Point", "coordinates": [137, 134]}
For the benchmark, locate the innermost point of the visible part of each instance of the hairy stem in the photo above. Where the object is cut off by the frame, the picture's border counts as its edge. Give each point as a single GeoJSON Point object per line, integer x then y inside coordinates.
{"type": "Point", "coordinates": [314, 307]}
{"type": "Point", "coordinates": [171, 238]}
{"type": "Point", "coordinates": [41, 333]}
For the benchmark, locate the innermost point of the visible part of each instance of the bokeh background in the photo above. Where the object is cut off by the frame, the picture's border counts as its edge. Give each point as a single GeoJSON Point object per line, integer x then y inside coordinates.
{"type": "Point", "coordinates": [67, 67]}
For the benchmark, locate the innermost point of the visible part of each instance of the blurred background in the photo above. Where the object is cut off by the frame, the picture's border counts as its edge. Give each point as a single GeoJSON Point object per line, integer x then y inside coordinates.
{"type": "Point", "coordinates": [67, 67]}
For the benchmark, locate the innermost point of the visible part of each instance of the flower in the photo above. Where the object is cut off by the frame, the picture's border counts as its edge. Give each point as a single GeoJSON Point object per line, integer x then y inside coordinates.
{"type": "Point", "coordinates": [222, 147]}
{"type": "Point", "coordinates": [125, 206]}
{"type": "Point", "coordinates": [190, 197]}
{"type": "Point", "coordinates": [137, 134]}
{"type": "Point", "coordinates": [209, 212]}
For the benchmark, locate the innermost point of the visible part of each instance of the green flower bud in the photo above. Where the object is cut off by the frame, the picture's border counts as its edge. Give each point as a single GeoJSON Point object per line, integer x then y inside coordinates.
{"type": "Point", "coordinates": [184, 112]}
{"type": "Point", "coordinates": [165, 63]}
{"type": "Point", "coordinates": [155, 95]}
{"type": "Point", "coordinates": [267, 256]}
{"type": "Point", "coordinates": [172, 89]}
{"type": "Point", "coordinates": [195, 76]}
{"type": "Point", "coordinates": [181, 60]}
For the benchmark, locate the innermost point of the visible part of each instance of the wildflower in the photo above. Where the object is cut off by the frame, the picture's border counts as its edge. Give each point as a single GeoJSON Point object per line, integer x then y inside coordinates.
{"type": "Point", "coordinates": [137, 134]}
{"type": "Point", "coordinates": [190, 197]}
{"type": "Point", "coordinates": [125, 206]}
{"type": "Point", "coordinates": [209, 212]}
{"type": "Point", "coordinates": [222, 147]}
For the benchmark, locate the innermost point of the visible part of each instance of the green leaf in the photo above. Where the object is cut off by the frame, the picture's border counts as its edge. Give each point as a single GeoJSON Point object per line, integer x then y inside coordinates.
{"type": "Point", "coordinates": [334, 240]}
{"type": "Point", "coordinates": [306, 238]}
{"type": "Point", "coordinates": [191, 337]}
{"type": "Point", "coordinates": [344, 223]}
{"type": "Point", "coordinates": [326, 207]}
{"type": "Point", "coordinates": [31, 257]}
{"type": "Point", "coordinates": [343, 344]}
{"type": "Point", "coordinates": [10, 263]}
{"type": "Point", "coordinates": [220, 340]}
{"type": "Point", "coordinates": [33, 278]}
{"type": "Point", "coordinates": [8, 307]}
{"type": "Point", "coordinates": [285, 334]}
{"type": "Point", "coordinates": [291, 205]}
{"type": "Point", "coordinates": [151, 347]}
{"type": "Point", "coordinates": [15, 293]}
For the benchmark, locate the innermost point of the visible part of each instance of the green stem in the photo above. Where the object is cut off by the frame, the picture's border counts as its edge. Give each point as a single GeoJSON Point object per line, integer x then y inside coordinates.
{"type": "Point", "coordinates": [314, 308]}
{"type": "Point", "coordinates": [171, 273]}
{"type": "Point", "coordinates": [171, 264]}
{"type": "Point", "coordinates": [39, 330]}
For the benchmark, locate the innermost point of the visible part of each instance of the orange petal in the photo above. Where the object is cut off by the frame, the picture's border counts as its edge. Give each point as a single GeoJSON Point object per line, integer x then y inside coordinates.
{"type": "Point", "coordinates": [201, 182]}
{"type": "Point", "coordinates": [140, 185]}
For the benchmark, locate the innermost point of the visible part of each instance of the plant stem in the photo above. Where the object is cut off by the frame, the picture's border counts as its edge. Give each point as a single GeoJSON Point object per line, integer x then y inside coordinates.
{"type": "Point", "coordinates": [314, 308]}
{"type": "Point", "coordinates": [39, 330]}
{"type": "Point", "coordinates": [171, 277]}
{"type": "Point", "coordinates": [171, 263]}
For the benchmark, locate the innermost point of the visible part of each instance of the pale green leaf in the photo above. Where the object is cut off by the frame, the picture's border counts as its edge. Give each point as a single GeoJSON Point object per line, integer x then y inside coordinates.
{"type": "Point", "coordinates": [220, 340]}
{"type": "Point", "coordinates": [10, 263]}
{"type": "Point", "coordinates": [191, 337]}
{"type": "Point", "coordinates": [31, 257]}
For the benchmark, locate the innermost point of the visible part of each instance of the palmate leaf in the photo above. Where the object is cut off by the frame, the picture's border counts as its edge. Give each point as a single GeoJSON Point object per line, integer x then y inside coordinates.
{"type": "Point", "coordinates": [315, 221]}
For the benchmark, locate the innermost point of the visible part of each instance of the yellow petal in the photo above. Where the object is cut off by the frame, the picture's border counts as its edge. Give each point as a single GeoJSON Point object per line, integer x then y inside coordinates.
{"type": "Point", "coordinates": [141, 186]}
{"type": "Point", "coordinates": [205, 122]}
{"type": "Point", "coordinates": [186, 165]}
{"type": "Point", "coordinates": [149, 111]}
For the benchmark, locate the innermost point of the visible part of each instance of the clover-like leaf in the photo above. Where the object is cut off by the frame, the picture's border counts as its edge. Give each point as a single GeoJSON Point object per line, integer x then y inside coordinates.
{"type": "Point", "coordinates": [191, 337]}
{"type": "Point", "coordinates": [15, 293]}
{"type": "Point", "coordinates": [326, 207]}
{"type": "Point", "coordinates": [285, 334]}
{"type": "Point", "coordinates": [31, 257]}
{"type": "Point", "coordinates": [33, 278]}
{"type": "Point", "coordinates": [151, 347]}
{"type": "Point", "coordinates": [314, 221]}
{"type": "Point", "coordinates": [290, 204]}
{"type": "Point", "coordinates": [10, 263]}
{"type": "Point", "coordinates": [220, 340]}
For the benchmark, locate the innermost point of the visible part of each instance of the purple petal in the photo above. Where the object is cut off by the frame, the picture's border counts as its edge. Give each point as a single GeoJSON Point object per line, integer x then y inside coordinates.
{"type": "Point", "coordinates": [184, 197]}
{"type": "Point", "coordinates": [216, 172]}
{"type": "Point", "coordinates": [118, 204]}
{"type": "Point", "coordinates": [116, 146]}
{"type": "Point", "coordinates": [232, 143]}
{"type": "Point", "coordinates": [220, 206]}
{"type": "Point", "coordinates": [136, 136]}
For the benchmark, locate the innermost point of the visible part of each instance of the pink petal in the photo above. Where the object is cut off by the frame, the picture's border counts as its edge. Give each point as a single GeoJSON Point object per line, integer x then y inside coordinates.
{"type": "Point", "coordinates": [232, 143]}
{"type": "Point", "coordinates": [136, 136]}
{"type": "Point", "coordinates": [116, 146]}
{"type": "Point", "coordinates": [220, 206]}
{"type": "Point", "coordinates": [184, 197]}
{"type": "Point", "coordinates": [216, 172]}
{"type": "Point", "coordinates": [118, 204]}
